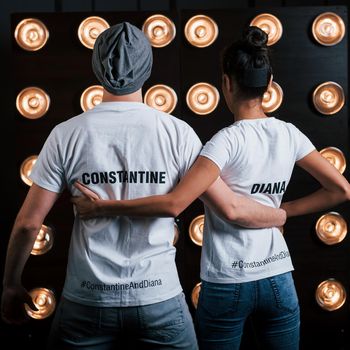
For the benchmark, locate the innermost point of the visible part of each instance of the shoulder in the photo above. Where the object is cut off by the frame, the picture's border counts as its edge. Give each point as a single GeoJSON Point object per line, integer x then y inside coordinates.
{"type": "Point", "coordinates": [229, 133]}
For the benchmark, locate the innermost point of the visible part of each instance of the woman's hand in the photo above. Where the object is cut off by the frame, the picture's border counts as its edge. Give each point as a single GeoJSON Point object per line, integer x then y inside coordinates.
{"type": "Point", "coordinates": [87, 204]}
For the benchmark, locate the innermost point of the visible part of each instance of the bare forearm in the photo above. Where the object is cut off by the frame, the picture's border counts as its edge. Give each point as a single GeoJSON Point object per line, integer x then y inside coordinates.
{"type": "Point", "coordinates": [252, 214]}
{"type": "Point", "coordinates": [161, 206]}
{"type": "Point", "coordinates": [18, 251]}
{"type": "Point", "coordinates": [239, 209]}
{"type": "Point", "coordinates": [317, 201]}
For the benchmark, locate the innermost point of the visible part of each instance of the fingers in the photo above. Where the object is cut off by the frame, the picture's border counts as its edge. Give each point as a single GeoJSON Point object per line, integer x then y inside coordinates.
{"type": "Point", "coordinates": [86, 191]}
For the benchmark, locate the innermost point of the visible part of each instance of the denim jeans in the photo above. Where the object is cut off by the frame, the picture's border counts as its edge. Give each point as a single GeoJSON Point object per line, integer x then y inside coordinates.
{"type": "Point", "coordinates": [163, 325]}
{"type": "Point", "coordinates": [272, 303]}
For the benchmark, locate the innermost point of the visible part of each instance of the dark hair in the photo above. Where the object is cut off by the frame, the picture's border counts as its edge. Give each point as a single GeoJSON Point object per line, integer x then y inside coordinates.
{"type": "Point", "coordinates": [248, 57]}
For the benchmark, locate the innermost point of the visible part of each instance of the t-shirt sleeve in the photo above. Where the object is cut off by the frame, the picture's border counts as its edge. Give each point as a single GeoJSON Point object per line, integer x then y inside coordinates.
{"type": "Point", "coordinates": [189, 152]}
{"type": "Point", "coordinates": [304, 145]}
{"type": "Point", "coordinates": [219, 149]}
{"type": "Point", "coordinates": [48, 171]}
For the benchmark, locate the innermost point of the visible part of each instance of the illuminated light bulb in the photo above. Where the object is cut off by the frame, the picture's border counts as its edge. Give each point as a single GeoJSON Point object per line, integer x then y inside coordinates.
{"type": "Point", "coordinates": [195, 294]}
{"type": "Point", "coordinates": [176, 233]}
{"type": "Point", "coordinates": [331, 228]}
{"type": "Point", "coordinates": [90, 28]}
{"type": "Point", "coordinates": [26, 169]}
{"type": "Point", "coordinates": [202, 98]}
{"type": "Point", "coordinates": [328, 98]}
{"type": "Point", "coordinates": [161, 97]}
{"type": "Point", "coordinates": [31, 34]}
{"type": "Point", "coordinates": [201, 31]}
{"type": "Point", "coordinates": [330, 295]}
{"type": "Point", "coordinates": [32, 102]}
{"type": "Point", "coordinates": [44, 241]}
{"type": "Point", "coordinates": [336, 157]}
{"type": "Point", "coordinates": [271, 25]}
{"type": "Point", "coordinates": [45, 301]}
{"type": "Point", "coordinates": [196, 229]}
{"type": "Point", "coordinates": [91, 97]}
{"type": "Point", "coordinates": [328, 29]}
{"type": "Point", "coordinates": [160, 30]}
{"type": "Point", "coordinates": [272, 98]}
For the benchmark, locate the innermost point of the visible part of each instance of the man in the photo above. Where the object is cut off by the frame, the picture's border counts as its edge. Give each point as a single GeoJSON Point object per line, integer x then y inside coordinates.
{"type": "Point", "coordinates": [121, 281]}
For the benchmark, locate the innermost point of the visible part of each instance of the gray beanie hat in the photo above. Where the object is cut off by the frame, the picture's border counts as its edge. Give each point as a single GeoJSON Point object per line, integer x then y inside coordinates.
{"type": "Point", "coordinates": [122, 59]}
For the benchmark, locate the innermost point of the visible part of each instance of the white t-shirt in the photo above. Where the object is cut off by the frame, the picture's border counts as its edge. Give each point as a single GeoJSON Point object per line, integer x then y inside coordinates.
{"type": "Point", "coordinates": [121, 150]}
{"type": "Point", "coordinates": [256, 158]}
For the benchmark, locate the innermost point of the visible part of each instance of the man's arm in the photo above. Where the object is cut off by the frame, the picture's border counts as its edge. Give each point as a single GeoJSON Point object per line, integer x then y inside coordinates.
{"type": "Point", "coordinates": [25, 230]}
{"type": "Point", "coordinates": [335, 188]}
{"type": "Point", "coordinates": [241, 210]}
{"type": "Point", "coordinates": [197, 180]}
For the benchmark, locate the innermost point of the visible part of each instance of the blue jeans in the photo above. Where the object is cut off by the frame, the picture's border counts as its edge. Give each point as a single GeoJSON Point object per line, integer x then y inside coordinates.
{"type": "Point", "coordinates": [164, 325]}
{"type": "Point", "coordinates": [272, 303]}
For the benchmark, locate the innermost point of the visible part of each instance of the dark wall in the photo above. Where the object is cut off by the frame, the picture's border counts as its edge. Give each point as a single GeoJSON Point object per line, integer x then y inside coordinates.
{"type": "Point", "coordinates": [62, 68]}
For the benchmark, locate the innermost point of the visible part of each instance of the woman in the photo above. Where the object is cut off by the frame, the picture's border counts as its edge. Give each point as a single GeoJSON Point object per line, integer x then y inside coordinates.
{"type": "Point", "coordinates": [244, 271]}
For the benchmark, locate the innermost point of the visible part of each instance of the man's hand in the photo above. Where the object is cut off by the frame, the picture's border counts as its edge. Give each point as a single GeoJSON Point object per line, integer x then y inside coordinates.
{"type": "Point", "coordinates": [87, 204]}
{"type": "Point", "coordinates": [12, 305]}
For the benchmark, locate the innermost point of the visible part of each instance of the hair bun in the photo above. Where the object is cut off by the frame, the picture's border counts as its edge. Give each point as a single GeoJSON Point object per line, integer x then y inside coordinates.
{"type": "Point", "coordinates": [255, 39]}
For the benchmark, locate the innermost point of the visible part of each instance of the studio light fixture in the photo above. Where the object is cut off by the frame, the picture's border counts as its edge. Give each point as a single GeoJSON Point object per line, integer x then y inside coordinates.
{"type": "Point", "coordinates": [31, 34]}
{"type": "Point", "coordinates": [26, 169]}
{"type": "Point", "coordinates": [161, 97]}
{"type": "Point", "coordinates": [202, 98]}
{"type": "Point", "coordinates": [271, 25]}
{"type": "Point", "coordinates": [195, 230]}
{"type": "Point", "coordinates": [32, 102]}
{"type": "Point", "coordinates": [90, 28]}
{"type": "Point", "coordinates": [328, 29]}
{"type": "Point", "coordinates": [201, 31]}
{"type": "Point", "coordinates": [160, 30]}
{"type": "Point", "coordinates": [91, 97]}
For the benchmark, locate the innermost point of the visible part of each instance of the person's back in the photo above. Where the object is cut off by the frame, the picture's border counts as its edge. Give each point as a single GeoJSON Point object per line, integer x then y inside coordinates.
{"type": "Point", "coordinates": [121, 150]}
{"type": "Point", "coordinates": [256, 157]}
{"type": "Point", "coordinates": [122, 280]}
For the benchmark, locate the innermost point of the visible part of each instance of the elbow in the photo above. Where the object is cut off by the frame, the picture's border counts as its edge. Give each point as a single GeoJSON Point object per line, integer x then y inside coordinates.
{"type": "Point", "coordinates": [342, 194]}
{"type": "Point", "coordinates": [230, 214]}
{"type": "Point", "coordinates": [28, 227]}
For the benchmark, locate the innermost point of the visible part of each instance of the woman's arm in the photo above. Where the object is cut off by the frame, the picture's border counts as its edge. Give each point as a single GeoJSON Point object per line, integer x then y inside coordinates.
{"type": "Point", "coordinates": [335, 188]}
{"type": "Point", "coordinates": [199, 177]}
{"type": "Point", "coordinates": [241, 210]}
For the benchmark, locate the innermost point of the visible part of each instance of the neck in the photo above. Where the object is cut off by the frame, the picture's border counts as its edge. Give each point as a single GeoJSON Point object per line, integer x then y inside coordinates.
{"type": "Point", "coordinates": [248, 109]}
{"type": "Point", "coordinates": [133, 97]}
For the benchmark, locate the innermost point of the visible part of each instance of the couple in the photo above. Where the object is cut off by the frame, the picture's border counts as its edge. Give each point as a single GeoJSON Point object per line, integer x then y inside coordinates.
{"type": "Point", "coordinates": [122, 283]}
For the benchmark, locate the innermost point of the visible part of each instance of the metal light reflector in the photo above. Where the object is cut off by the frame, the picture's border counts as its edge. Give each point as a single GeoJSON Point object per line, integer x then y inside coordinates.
{"type": "Point", "coordinates": [44, 241]}
{"type": "Point", "coordinates": [26, 169]}
{"type": "Point", "coordinates": [31, 34]}
{"type": "Point", "coordinates": [272, 98]}
{"type": "Point", "coordinates": [331, 228]}
{"type": "Point", "coordinates": [328, 98]}
{"type": "Point", "coordinates": [91, 97]}
{"type": "Point", "coordinates": [328, 29]}
{"type": "Point", "coordinates": [90, 28]}
{"type": "Point", "coordinates": [32, 102]}
{"type": "Point", "coordinates": [195, 294]}
{"type": "Point", "coordinates": [330, 295]}
{"type": "Point", "coordinates": [271, 25]}
{"type": "Point", "coordinates": [45, 301]}
{"type": "Point", "coordinates": [161, 97]}
{"type": "Point", "coordinates": [202, 98]}
{"type": "Point", "coordinates": [196, 230]}
{"type": "Point", "coordinates": [201, 31]}
{"type": "Point", "coordinates": [160, 30]}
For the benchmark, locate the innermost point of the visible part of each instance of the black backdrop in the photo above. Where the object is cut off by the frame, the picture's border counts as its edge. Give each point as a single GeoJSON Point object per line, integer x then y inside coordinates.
{"type": "Point", "coordinates": [63, 69]}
